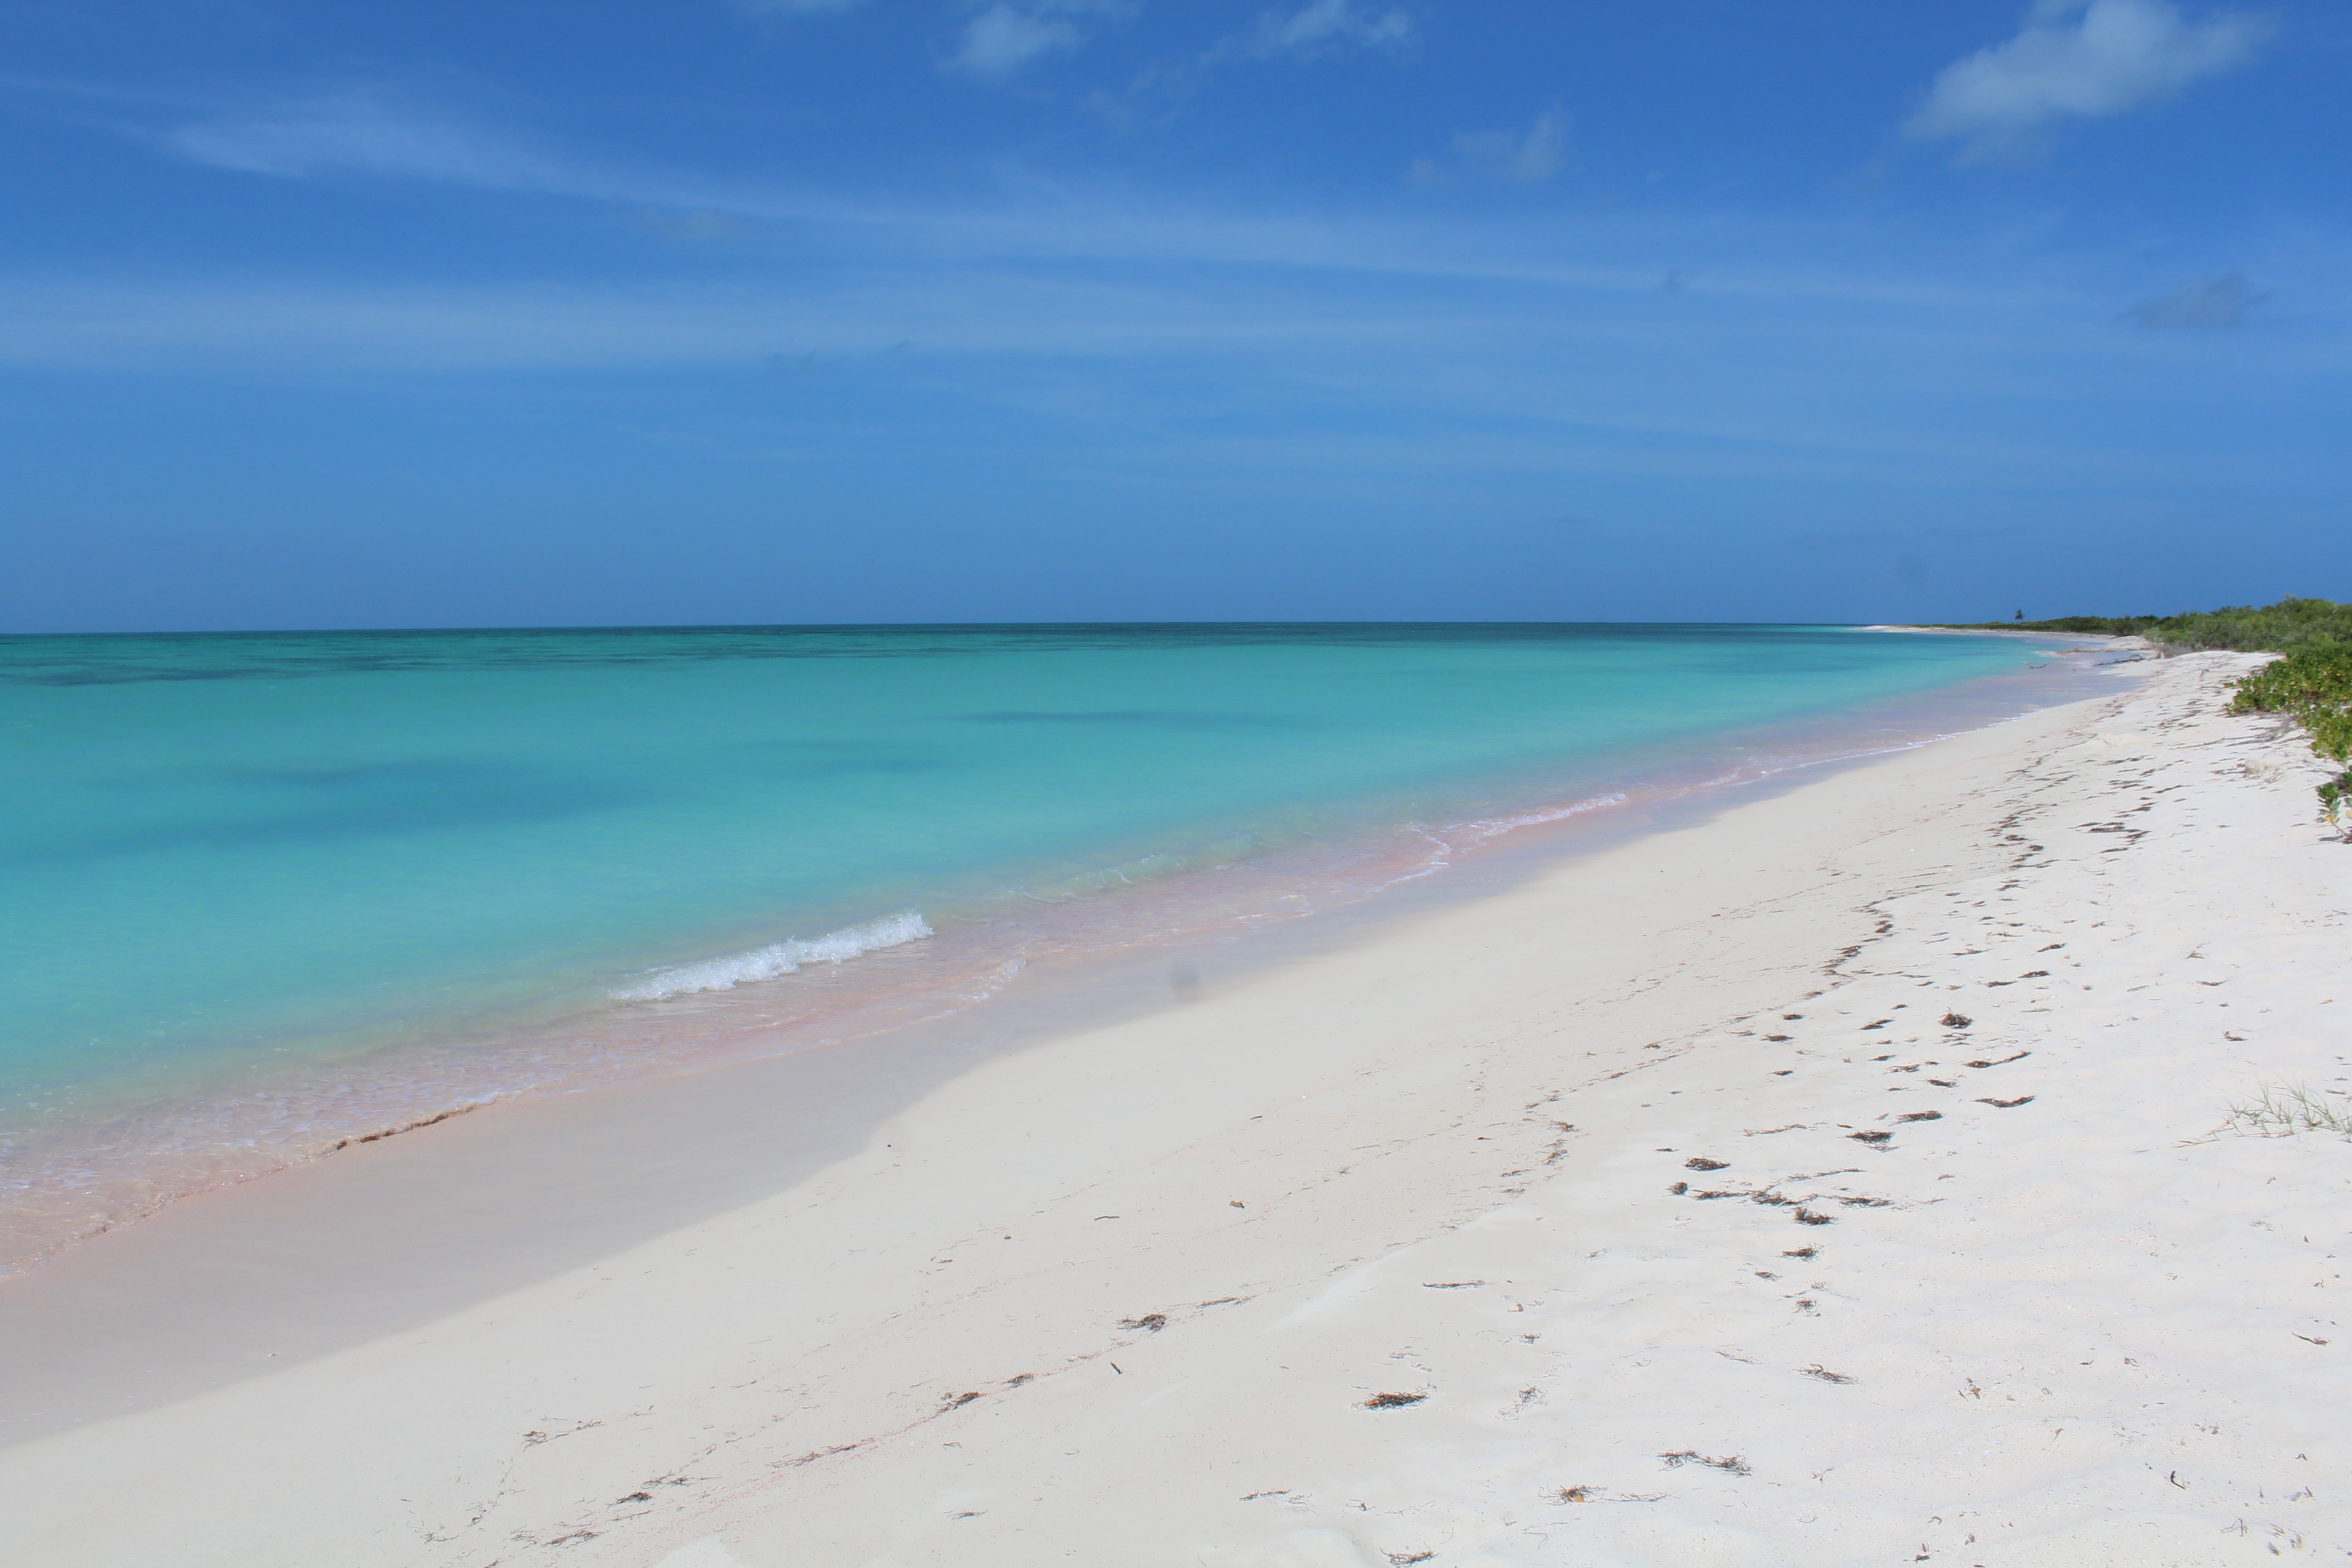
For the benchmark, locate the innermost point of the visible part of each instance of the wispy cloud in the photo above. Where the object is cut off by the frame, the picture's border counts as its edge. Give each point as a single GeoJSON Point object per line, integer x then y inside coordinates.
{"type": "Point", "coordinates": [1320, 29]}
{"type": "Point", "coordinates": [1522, 157]}
{"type": "Point", "coordinates": [365, 130]}
{"type": "Point", "coordinates": [1007, 36]}
{"type": "Point", "coordinates": [2208, 304]}
{"type": "Point", "coordinates": [2079, 57]}
{"type": "Point", "coordinates": [1324, 24]}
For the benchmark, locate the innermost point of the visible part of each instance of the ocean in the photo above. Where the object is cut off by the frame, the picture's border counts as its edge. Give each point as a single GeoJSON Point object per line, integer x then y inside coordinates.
{"type": "Point", "coordinates": [268, 892]}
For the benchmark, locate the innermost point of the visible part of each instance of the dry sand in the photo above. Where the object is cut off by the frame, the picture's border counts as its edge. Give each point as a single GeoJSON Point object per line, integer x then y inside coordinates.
{"type": "Point", "coordinates": [1846, 1179]}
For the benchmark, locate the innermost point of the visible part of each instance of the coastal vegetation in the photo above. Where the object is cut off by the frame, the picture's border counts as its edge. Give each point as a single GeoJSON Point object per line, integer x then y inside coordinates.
{"type": "Point", "coordinates": [2282, 1112]}
{"type": "Point", "coordinates": [2268, 628]}
{"type": "Point", "coordinates": [2311, 684]}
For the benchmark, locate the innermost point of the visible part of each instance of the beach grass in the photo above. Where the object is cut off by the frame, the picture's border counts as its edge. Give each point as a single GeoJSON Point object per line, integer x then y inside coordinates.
{"type": "Point", "coordinates": [2281, 1111]}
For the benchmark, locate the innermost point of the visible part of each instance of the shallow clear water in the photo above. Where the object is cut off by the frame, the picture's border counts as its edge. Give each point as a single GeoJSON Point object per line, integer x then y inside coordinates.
{"type": "Point", "coordinates": [330, 878]}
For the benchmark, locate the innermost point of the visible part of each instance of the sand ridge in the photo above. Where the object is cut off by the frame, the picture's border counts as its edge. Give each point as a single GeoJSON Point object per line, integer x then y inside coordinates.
{"type": "Point", "coordinates": [1843, 1179]}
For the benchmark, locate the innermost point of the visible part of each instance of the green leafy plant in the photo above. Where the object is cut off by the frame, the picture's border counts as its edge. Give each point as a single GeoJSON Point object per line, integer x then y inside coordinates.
{"type": "Point", "coordinates": [2311, 684]}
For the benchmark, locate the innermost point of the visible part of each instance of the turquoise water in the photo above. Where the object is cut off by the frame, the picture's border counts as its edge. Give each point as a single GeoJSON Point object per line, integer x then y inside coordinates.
{"type": "Point", "coordinates": [242, 860]}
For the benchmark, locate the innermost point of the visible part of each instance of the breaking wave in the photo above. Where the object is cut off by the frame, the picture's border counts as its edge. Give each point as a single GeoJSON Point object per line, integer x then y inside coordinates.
{"type": "Point", "coordinates": [783, 958]}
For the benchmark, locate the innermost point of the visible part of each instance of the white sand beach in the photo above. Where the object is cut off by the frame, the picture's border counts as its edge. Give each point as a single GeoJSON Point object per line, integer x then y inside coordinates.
{"type": "Point", "coordinates": [1844, 1179]}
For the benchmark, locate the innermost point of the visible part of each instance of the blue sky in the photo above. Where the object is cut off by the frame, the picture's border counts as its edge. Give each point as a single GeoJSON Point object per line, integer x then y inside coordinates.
{"type": "Point", "coordinates": [788, 310]}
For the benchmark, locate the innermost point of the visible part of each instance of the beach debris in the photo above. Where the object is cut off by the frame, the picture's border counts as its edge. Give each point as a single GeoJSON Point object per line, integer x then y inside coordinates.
{"type": "Point", "coordinates": [1401, 1558]}
{"type": "Point", "coordinates": [533, 1440]}
{"type": "Point", "coordinates": [1944, 1082]}
{"type": "Point", "coordinates": [1800, 1252]}
{"type": "Point", "coordinates": [2009, 1104]}
{"type": "Point", "coordinates": [1576, 1494]}
{"type": "Point", "coordinates": [1921, 1115]}
{"type": "Point", "coordinates": [1791, 1017]}
{"type": "Point", "coordinates": [811, 1457]}
{"type": "Point", "coordinates": [1807, 1216]}
{"type": "Point", "coordinates": [1779, 1039]}
{"type": "Point", "coordinates": [423, 1122]}
{"type": "Point", "coordinates": [1151, 1322]}
{"type": "Point", "coordinates": [1880, 1024]}
{"type": "Point", "coordinates": [1956, 1020]}
{"type": "Point", "coordinates": [2002, 1061]}
{"type": "Point", "coordinates": [634, 1497]}
{"type": "Point", "coordinates": [1017, 1382]}
{"type": "Point", "coordinates": [1679, 1188]}
{"type": "Point", "coordinates": [1731, 1464]}
{"type": "Point", "coordinates": [1252, 1497]}
{"type": "Point", "coordinates": [1816, 1371]}
{"type": "Point", "coordinates": [957, 1401]}
{"type": "Point", "coordinates": [1865, 1202]}
{"type": "Point", "coordinates": [1391, 1401]}
{"type": "Point", "coordinates": [1701, 1162]}
{"type": "Point", "coordinates": [1452, 1284]}
{"type": "Point", "coordinates": [1872, 1138]}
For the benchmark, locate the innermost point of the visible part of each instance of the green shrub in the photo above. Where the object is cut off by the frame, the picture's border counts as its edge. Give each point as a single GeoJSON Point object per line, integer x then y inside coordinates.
{"type": "Point", "coordinates": [2313, 684]}
{"type": "Point", "coordinates": [2289, 623]}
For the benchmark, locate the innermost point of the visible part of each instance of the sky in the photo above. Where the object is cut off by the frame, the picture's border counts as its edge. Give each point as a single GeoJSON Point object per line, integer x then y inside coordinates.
{"type": "Point", "coordinates": [763, 312]}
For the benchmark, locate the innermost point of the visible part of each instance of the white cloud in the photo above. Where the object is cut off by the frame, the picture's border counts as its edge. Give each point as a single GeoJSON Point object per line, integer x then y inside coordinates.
{"type": "Point", "coordinates": [1522, 157]}
{"type": "Point", "coordinates": [2208, 304]}
{"type": "Point", "coordinates": [1006, 37]}
{"type": "Point", "coordinates": [1001, 39]}
{"type": "Point", "coordinates": [2088, 57]}
{"type": "Point", "coordinates": [1322, 29]}
{"type": "Point", "coordinates": [363, 129]}
{"type": "Point", "coordinates": [1326, 24]}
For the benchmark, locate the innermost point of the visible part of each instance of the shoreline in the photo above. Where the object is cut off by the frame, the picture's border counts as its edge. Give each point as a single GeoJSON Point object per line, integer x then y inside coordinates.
{"type": "Point", "coordinates": [429, 1247]}
{"type": "Point", "coordinates": [1434, 1167]}
{"type": "Point", "coordinates": [76, 1179]}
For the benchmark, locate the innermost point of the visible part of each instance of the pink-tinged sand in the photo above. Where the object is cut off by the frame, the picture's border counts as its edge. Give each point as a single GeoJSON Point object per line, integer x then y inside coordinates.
{"type": "Point", "coordinates": [1130, 1294]}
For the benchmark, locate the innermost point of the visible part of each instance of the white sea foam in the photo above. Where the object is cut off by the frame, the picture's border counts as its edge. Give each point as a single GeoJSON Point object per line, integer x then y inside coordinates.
{"type": "Point", "coordinates": [1489, 827]}
{"type": "Point", "coordinates": [783, 958]}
